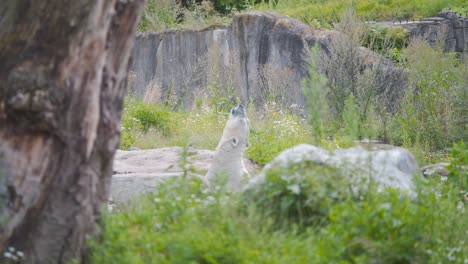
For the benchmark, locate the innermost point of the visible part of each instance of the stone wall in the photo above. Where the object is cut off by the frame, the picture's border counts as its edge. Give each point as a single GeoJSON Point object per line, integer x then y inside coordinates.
{"type": "Point", "coordinates": [454, 30]}
{"type": "Point", "coordinates": [258, 56]}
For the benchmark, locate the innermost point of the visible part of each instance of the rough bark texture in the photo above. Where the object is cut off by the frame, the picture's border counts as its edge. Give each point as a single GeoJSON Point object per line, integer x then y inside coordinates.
{"type": "Point", "coordinates": [63, 67]}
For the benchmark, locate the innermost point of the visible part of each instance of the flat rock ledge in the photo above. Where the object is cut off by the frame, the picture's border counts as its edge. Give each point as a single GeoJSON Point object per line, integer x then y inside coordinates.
{"type": "Point", "coordinates": [138, 171]}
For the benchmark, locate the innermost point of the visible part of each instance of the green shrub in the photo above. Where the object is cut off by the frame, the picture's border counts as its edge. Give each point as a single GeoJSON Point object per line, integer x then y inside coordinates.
{"type": "Point", "coordinates": [300, 195]}
{"type": "Point", "coordinates": [182, 224]}
{"type": "Point", "coordinates": [388, 228]}
{"type": "Point", "coordinates": [222, 98]}
{"type": "Point", "coordinates": [328, 12]}
{"type": "Point", "coordinates": [429, 114]}
{"type": "Point", "coordinates": [226, 6]}
{"type": "Point", "coordinates": [159, 15]}
{"type": "Point", "coordinates": [139, 117]}
{"type": "Point", "coordinates": [315, 89]}
{"type": "Point", "coordinates": [274, 132]}
{"type": "Point", "coordinates": [170, 14]}
{"type": "Point", "coordinates": [350, 128]}
{"type": "Point", "coordinates": [388, 41]}
{"type": "Point", "coordinates": [458, 168]}
{"type": "Point", "coordinates": [318, 223]}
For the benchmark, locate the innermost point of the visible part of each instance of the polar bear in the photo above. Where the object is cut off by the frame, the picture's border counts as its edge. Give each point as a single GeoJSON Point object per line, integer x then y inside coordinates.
{"type": "Point", "coordinates": [228, 161]}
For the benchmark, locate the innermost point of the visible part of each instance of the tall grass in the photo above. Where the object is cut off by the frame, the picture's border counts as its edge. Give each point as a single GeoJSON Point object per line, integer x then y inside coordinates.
{"type": "Point", "coordinates": [325, 13]}
{"type": "Point", "coordinates": [169, 14]}
{"type": "Point", "coordinates": [147, 125]}
{"type": "Point", "coordinates": [185, 223]}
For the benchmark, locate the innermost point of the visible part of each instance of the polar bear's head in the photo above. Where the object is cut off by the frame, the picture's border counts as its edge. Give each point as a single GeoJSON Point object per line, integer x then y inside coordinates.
{"type": "Point", "coordinates": [237, 127]}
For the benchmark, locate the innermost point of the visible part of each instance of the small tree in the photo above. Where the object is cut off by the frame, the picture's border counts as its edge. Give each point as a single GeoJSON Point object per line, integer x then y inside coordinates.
{"type": "Point", "coordinates": [315, 89]}
{"type": "Point", "coordinates": [431, 112]}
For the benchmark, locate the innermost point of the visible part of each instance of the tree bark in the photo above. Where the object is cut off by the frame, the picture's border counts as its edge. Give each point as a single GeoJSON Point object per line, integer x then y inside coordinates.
{"type": "Point", "coordinates": [63, 68]}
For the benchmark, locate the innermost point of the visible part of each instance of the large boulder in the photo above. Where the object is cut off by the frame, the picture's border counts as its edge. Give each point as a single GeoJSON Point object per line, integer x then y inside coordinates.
{"type": "Point", "coordinates": [385, 168]}
{"type": "Point", "coordinates": [139, 171]}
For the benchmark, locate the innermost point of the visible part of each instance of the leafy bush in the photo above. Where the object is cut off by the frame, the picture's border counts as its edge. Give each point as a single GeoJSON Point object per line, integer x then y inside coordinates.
{"type": "Point", "coordinates": [139, 116]}
{"type": "Point", "coordinates": [426, 231]}
{"type": "Point", "coordinates": [458, 170]}
{"type": "Point", "coordinates": [170, 14]}
{"type": "Point", "coordinates": [226, 6]}
{"type": "Point", "coordinates": [429, 114]}
{"type": "Point", "coordinates": [273, 132]}
{"type": "Point", "coordinates": [300, 195]}
{"type": "Point", "coordinates": [185, 223]}
{"type": "Point", "coordinates": [328, 12]}
{"type": "Point", "coordinates": [315, 89]}
{"type": "Point", "coordinates": [388, 41]}
{"type": "Point", "coordinates": [182, 224]}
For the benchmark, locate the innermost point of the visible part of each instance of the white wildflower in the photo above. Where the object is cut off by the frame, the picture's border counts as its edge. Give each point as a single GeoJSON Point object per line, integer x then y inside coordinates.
{"type": "Point", "coordinates": [296, 189]}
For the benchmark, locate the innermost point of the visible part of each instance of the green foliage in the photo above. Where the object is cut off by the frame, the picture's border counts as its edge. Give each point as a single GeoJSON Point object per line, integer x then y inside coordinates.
{"type": "Point", "coordinates": [299, 195]}
{"type": "Point", "coordinates": [227, 6]}
{"type": "Point", "coordinates": [388, 41]}
{"type": "Point", "coordinates": [154, 126]}
{"type": "Point", "coordinates": [428, 230]}
{"type": "Point", "coordinates": [428, 114]}
{"type": "Point", "coordinates": [328, 12]}
{"type": "Point", "coordinates": [274, 132]}
{"type": "Point", "coordinates": [223, 98]}
{"type": "Point", "coordinates": [369, 228]}
{"type": "Point", "coordinates": [145, 116]}
{"type": "Point", "coordinates": [318, 223]}
{"type": "Point", "coordinates": [458, 167]}
{"type": "Point", "coordinates": [158, 15]}
{"type": "Point", "coordinates": [315, 89]}
{"type": "Point", "coordinates": [350, 120]}
{"type": "Point", "coordinates": [139, 116]}
{"type": "Point", "coordinates": [169, 14]}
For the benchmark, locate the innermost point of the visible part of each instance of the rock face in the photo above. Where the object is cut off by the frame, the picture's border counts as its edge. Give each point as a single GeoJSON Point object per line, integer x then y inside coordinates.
{"type": "Point", "coordinates": [387, 168]}
{"type": "Point", "coordinates": [139, 171]}
{"type": "Point", "coordinates": [449, 23]}
{"type": "Point", "coordinates": [438, 169]}
{"type": "Point", "coordinates": [258, 56]}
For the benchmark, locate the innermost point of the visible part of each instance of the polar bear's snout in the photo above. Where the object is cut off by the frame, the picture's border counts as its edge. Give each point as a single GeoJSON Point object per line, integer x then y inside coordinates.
{"type": "Point", "coordinates": [239, 111]}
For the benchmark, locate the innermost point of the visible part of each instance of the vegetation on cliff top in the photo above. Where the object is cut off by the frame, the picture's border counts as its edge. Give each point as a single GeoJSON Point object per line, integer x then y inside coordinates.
{"type": "Point", "coordinates": [172, 14]}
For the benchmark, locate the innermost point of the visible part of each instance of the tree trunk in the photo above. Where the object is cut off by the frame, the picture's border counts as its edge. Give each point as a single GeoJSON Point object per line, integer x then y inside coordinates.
{"type": "Point", "coordinates": [63, 68]}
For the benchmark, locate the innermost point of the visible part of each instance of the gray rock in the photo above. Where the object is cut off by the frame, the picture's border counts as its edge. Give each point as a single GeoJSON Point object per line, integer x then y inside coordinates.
{"type": "Point", "coordinates": [439, 169]}
{"type": "Point", "coordinates": [452, 25]}
{"type": "Point", "coordinates": [254, 53]}
{"type": "Point", "coordinates": [137, 172]}
{"type": "Point", "coordinates": [448, 15]}
{"type": "Point", "coordinates": [387, 168]}
{"type": "Point", "coordinates": [133, 149]}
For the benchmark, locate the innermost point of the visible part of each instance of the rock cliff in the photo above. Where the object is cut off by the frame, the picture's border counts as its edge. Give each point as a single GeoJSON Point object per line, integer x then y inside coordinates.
{"type": "Point", "coordinates": [258, 56]}
{"type": "Point", "coordinates": [453, 27]}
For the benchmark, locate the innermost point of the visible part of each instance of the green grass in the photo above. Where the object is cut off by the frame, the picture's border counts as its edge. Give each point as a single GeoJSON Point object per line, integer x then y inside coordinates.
{"type": "Point", "coordinates": [162, 15]}
{"type": "Point", "coordinates": [169, 14]}
{"type": "Point", "coordinates": [323, 13]}
{"type": "Point", "coordinates": [148, 126]}
{"type": "Point", "coordinates": [184, 223]}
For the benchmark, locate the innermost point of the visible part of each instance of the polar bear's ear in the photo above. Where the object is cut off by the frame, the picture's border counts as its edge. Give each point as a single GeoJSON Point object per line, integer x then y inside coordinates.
{"type": "Point", "coordinates": [234, 141]}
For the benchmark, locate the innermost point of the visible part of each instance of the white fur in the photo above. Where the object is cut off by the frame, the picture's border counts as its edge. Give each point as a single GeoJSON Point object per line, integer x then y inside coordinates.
{"type": "Point", "coordinates": [228, 160]}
